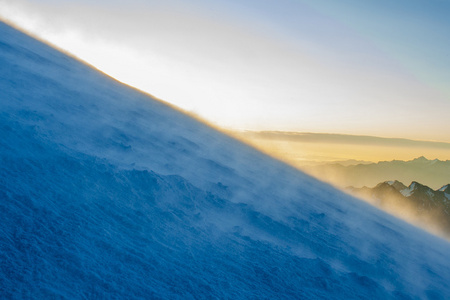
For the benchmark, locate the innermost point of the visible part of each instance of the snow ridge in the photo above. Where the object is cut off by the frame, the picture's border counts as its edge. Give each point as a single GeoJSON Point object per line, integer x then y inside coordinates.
{"type": "Point", "coordinates": [410, 190]}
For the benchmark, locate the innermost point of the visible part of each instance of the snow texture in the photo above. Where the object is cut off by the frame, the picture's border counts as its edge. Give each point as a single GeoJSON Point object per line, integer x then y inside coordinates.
{"type": "Point", "coordinates": [444, 188]}
{"type": "Point", "coordinates": [107, 193]}
{"type": "Point", "coordinates": [410, 190]}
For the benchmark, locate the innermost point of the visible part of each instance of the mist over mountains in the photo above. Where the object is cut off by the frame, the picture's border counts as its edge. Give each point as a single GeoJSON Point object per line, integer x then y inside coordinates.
{"type": "Point", "coordinates": [430, 208]}
{"type": "Point", "coordinates": [434, 173]}
{"type": "Point", "coordinates": [108, 193]}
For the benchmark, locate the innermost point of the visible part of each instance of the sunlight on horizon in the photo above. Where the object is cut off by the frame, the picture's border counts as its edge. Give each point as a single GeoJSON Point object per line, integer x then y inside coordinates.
{"type": "Point", "coordinates": [245, 72]}
{"type": "Point", "coordinates": [339, 149]}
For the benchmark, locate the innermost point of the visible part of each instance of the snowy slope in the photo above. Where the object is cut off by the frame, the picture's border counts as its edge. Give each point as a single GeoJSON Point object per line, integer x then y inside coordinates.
{"type": "Point", "coordinates": [108, 193]}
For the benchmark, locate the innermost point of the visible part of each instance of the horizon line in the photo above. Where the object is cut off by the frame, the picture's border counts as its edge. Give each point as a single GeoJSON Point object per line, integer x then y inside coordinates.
{"type": "Point", "coordinates": [342, 138]}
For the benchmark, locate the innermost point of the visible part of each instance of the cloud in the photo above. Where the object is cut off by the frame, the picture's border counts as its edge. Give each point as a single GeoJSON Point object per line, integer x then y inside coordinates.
{"type": "Point", "coordinates": [331, 138]}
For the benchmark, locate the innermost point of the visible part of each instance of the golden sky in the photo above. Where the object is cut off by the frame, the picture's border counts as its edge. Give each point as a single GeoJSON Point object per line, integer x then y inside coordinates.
{"type": "Point", "coordinates": [301, 149]}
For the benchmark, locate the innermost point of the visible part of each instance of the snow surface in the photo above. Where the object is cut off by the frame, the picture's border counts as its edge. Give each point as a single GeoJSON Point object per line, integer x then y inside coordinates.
{"type": "Point", "coordinates": [107, 193]}
{"type": "Point", "coordinates": [442, 189]}
{"type": "Point", "coordinates": [409, 190]}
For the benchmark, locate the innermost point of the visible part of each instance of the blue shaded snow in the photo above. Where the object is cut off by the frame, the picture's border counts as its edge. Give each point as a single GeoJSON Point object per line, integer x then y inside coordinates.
{"type": "Point", "coordinates": [107, 193]}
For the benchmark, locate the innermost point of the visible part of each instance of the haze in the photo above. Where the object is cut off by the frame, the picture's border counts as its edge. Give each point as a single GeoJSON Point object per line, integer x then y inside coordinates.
{"type": "Point", "coordinates": [303, 149]}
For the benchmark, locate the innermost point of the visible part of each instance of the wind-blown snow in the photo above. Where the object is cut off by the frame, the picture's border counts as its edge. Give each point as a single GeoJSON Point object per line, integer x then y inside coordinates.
{"type": "Point", "coordinates": [108, 193]}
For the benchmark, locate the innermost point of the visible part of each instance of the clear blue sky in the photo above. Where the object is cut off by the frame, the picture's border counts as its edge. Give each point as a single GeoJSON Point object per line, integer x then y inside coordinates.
{"type": "Point", "coordinates": [355, 67]}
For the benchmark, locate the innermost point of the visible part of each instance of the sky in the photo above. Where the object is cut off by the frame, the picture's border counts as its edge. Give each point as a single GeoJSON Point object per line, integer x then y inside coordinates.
{"type": "Point", "coordinates": [304, 149]}
{"type": "Point", "coordinates": [378, 68]}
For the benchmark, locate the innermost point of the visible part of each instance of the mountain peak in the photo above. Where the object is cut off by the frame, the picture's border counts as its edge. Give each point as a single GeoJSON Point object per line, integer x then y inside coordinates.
{"type": "Point", "coordinates": [445, 189]}
{"type": "Point", "coordinates": [399, 186]}
{"type": "Point", "coordinates": [420, 159]}
{"type": "Point", "coordinates": [407, 192]}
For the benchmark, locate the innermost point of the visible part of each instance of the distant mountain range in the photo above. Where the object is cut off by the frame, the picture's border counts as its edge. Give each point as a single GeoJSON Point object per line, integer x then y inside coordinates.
{"type": "Point", "coordinates": [434, 173]}
{"type": "Point", "coordinates": [431, 208]}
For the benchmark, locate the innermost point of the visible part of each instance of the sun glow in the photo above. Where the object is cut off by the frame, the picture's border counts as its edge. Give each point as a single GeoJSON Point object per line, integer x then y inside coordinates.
{"type": "Point", "coordinates": [245, 69]}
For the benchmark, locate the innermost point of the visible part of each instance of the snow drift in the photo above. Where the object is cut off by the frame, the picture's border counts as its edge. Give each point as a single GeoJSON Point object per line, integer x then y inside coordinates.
{"type": "Point", "coordinates": [108, 193]}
